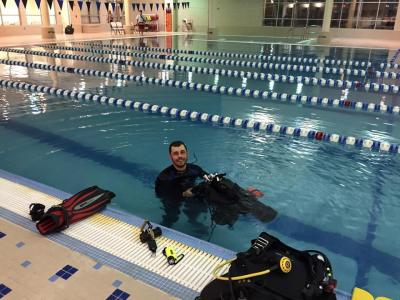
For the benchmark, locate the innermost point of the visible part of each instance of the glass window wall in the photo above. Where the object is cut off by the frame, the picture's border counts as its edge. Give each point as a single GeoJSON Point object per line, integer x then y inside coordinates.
{"type": "Point", "coordinates": [9, 14]}
{"type": "Point", "coordinates": [366, 14]}
{"type": "Point", "coordinates": [293, 13]}
{"type": "Point", "coordinates": [90, 13]}
{"type": "Point", "coordinates": [362, 14]}
{"type": "Point", "coordinates": [32, 13]}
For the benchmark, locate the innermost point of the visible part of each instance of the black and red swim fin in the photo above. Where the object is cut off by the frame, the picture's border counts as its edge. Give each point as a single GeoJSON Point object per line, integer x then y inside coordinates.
{"type": "Point", "coordinates": [79, 206]}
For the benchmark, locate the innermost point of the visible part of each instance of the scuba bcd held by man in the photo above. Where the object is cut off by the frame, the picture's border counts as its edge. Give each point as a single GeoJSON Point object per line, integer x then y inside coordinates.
{"type": "Point", "coordinates": [228, 200]}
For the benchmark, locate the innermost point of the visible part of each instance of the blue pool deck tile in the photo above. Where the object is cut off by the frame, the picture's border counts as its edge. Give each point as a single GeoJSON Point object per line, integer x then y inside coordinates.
{"type": "Point", "coordinates": [124, 296]}
{"type": "Point", "coordinates": [26, 263]}
{"type": "Point", "coordinates": [53, 278]}
{"type": "Point", "coordinates": [20, 244]}
{"type": "Point", "coordinates": [97, 266]}
{"type": "Point", "coordinates": [117, 283]}
{"type": "Point", "coordinates": [117, 292]}
{"type": "Point", "coordinates": [67, 268]}
{"type": "Point", "coordinates": [2, 234]}
{"type": "Point", "coordinates": [65, 273]}
{"type": "Point", "coordinates": [118, 295]}
{"type": "Point", "coordinates": [70, 269]}
{"type": "Point", "coordinates": [4, 291]}
{"type": "Point", "coordinates": [65, 276]}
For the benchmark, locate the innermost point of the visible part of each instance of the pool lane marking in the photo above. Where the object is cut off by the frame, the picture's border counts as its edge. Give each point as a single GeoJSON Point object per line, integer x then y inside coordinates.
{"type": "Point", "coordinates": [225, 121]}
{"type": "Point", "coordinates": [283, 97]}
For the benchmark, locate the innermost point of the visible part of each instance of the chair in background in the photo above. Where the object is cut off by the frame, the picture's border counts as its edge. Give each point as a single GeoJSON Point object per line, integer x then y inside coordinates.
{"type": "Point", "coordinates": [113, 28]}
{"type": "Point", "coordinates": [117, 28]}
{"type": "Point", "coordinates": [120, 28]}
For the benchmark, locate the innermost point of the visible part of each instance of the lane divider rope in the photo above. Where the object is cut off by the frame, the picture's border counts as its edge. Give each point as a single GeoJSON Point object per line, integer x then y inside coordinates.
{"type": "Point", "coordinates": [227, 62]}
{"type": "Point", "coordinates": [394, 58]}
{"type": "Point", "coordinates": [310, 60]}
{"type": "Point", "coordinates": [224, 121]}
{"type": "Point", "coordinates": [314, 81]}
{"type": "Point", "coordinates": [217, 89]}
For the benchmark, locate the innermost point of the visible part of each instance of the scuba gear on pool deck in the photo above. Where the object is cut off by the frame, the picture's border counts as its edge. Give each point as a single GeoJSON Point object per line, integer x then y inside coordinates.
{"type": "Point", "coordinates": [271, 270]}
{"type": "Point", "coordinates": [80, 206]}
{"type": "Point", "coordinates": [148, 235]}
{"type": "Point", "coordinates": [69, 29]}
{"type": "Point", "coordinates": [284, 264]}
{"type": "Point", "coordinates": [36, 211]}
{"type": "Point", "coordinates": [171, 256]}
{"type": "Point", "coordinates": [228, 200]}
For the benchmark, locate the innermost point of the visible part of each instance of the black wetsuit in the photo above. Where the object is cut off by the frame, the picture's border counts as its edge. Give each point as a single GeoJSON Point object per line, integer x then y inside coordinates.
{"type": "Point", "coordinates": [171, 183]}
{"type": "Point", "coordinates": [169, 186]}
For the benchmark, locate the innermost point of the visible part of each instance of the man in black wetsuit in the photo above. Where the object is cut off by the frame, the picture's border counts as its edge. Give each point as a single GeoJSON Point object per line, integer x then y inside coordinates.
{"type": "Point", "coordinates": [225, 199]}
{"type": "Point", "coordinates": [174, 186]}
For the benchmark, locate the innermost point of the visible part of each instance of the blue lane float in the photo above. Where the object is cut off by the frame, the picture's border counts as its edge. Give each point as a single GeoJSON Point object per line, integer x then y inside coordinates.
{"type": "Point", "coordinates": [314, 81]}
{"type": "Point", "coordinates": [211, 119]}
{"type": "Point", "coordinates": [226, 62]}
{"type": "Point", "coordinates": [310, 60]}
{"type": "Point", "coordinates": [217, 89]}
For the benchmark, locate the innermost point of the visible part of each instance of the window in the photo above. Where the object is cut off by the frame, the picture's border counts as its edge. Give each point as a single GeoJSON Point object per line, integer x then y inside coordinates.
{"type": "Point", "coordinates": [52, 14]}
{"type": "Point", "coordinates": [289, 13]}
{"type": "Point", "coordinates": [316, 15]}
{"type": "Point", "coordinates": [9, 13]}
{"type": "Point", "coordinates": [90, 13]}
{"type": "Point", "coordinates": [386, 15]}
{"type": "Point", "coordinates": [363, 14]}
{"type": "Point", "coordinates": [32, 13]}
{"type": "Point", "coordinates": [367, 14]}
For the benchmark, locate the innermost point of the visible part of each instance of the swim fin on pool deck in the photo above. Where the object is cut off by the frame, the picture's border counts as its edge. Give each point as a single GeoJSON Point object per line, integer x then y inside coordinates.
{"type": "Point", "coordinates": [80, 206]}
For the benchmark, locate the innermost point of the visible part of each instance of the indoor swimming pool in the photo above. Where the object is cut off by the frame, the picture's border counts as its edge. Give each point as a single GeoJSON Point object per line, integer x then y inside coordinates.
{"type": "Point", "coordinates": [335, 191]}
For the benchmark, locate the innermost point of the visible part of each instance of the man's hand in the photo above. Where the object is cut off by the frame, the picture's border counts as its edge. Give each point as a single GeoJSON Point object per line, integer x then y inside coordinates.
{"type": "Point", "coordinates": [188, 193]}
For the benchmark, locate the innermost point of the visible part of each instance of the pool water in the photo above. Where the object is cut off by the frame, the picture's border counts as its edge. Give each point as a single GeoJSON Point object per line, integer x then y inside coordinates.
{"type": "Point", "coordinates": [333, 198]}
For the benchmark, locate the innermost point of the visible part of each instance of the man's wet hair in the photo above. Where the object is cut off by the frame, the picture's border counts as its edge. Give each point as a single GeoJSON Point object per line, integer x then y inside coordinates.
{"type": "Point", "coordinates": [176, 144]}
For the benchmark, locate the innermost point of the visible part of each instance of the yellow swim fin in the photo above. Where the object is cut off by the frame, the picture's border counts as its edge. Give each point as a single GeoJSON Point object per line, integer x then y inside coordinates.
{"type": "Point", "coordinates": [360, 294]}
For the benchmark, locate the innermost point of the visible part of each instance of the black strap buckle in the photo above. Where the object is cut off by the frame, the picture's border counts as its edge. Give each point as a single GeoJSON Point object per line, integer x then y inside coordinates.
{"type": "Point", "coordinates": [36, 211]}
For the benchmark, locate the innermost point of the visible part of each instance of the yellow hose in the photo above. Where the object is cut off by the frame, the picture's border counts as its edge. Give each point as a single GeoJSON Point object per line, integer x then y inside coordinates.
{"type": "Point", "coordinates": [241, 276]}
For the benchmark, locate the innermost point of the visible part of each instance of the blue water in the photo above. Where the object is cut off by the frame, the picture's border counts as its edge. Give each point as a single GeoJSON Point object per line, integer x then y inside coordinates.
{"type": "Point", "coordinates": [336, 199]}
